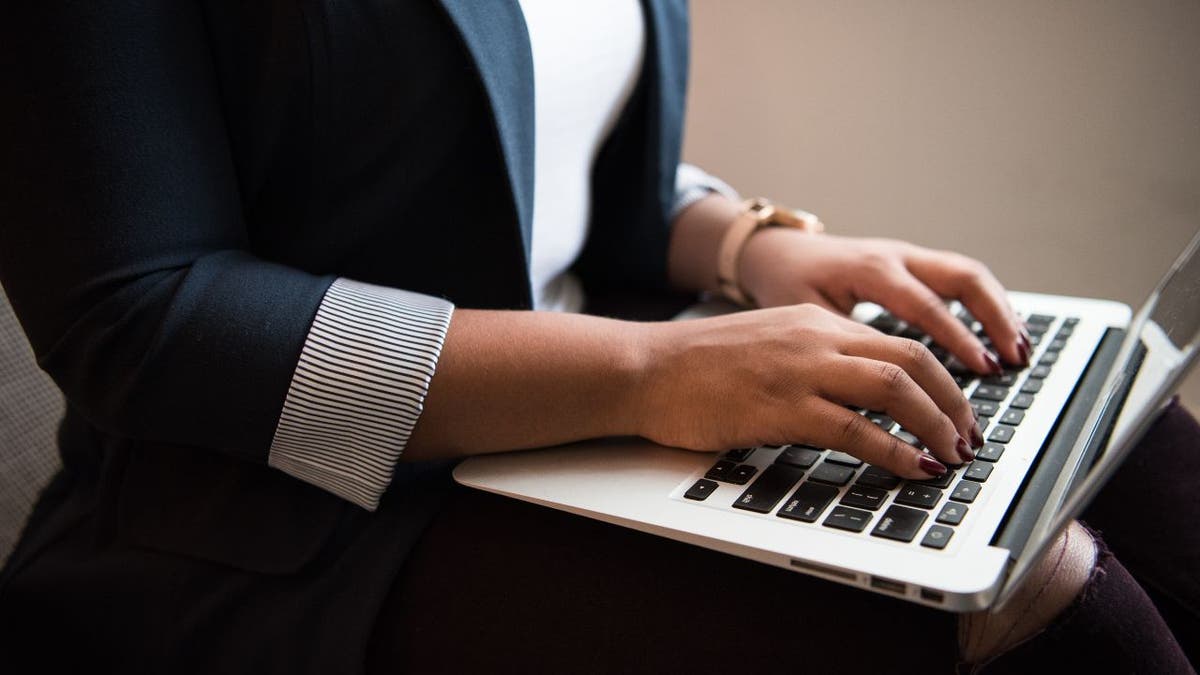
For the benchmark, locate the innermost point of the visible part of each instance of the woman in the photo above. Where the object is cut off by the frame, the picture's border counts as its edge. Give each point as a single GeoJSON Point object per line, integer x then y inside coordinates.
{"type": "Point", "coordinates": [271, 255]}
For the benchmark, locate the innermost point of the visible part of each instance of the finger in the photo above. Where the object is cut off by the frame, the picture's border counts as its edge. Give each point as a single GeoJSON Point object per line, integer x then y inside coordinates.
{"type": "Point", "coordinates": [882, 385]}
{"type": "Point", "coordinates": [973, 284]}
{"type": "Point", "coordinates": [832, 426]}
{"type": "Point", "coordinates": [913, 301]}
{"type": "Point", "coordinates": [927, 372]}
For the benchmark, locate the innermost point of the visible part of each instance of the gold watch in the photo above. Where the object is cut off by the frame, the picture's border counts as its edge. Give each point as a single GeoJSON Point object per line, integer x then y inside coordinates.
{"type": "Point", "coordinates": [756, 214]}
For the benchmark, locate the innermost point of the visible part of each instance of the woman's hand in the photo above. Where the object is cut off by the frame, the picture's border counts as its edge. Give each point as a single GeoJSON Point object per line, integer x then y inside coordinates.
{"type": "Point", "coordinates": [787, 375]}
{"type": "Point", "coordinates": [780, 266]}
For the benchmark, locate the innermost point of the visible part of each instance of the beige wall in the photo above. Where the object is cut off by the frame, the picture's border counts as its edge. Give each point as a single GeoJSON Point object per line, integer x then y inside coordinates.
{"type": "Point", "coordinates": [1059, 142]}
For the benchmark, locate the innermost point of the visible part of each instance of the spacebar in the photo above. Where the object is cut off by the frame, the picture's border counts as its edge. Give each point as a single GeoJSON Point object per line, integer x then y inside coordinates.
{"type": "Point", "coordinates": [771, 486]}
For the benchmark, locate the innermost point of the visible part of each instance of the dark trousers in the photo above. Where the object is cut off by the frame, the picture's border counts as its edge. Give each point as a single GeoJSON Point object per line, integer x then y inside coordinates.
{"type": "Point", "coordinates": [503, 586]}
{"type": "Point", "coordinates": [495, 585]}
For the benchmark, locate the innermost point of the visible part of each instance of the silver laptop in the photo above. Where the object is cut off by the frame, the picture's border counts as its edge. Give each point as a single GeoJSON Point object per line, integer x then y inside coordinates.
{"type": "Point", "coordinates": [1056, 431]}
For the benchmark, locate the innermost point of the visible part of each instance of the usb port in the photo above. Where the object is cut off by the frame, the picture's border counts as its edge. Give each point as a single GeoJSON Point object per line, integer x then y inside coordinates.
{"type": "Point", "coordinates": [932, 595]}
{"type": "Point", "coordinates": [888, 585]}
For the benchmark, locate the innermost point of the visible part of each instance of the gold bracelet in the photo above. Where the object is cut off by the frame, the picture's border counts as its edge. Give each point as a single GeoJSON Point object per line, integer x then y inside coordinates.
{"type": "Point", "coordinates": [756, 214]}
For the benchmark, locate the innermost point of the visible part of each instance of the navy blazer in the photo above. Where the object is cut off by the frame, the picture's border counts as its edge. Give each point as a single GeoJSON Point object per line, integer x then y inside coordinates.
{"type": "Point", "coordinates": [180, 183]}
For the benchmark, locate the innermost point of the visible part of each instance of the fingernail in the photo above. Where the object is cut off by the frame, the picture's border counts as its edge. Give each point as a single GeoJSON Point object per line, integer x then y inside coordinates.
{"type": "Point", "coordinates": [931, 466]}
{"type": "Point", "coordinates": [1023, 350]}
{"type": "Point", "coordinates": [976, 436]}
{"type": "Point", "coordinates": [1025, 336]}
{"type": "Point", "coordinates": [964, 451]}
{"type": "Point", "coordinates": [992, 363]}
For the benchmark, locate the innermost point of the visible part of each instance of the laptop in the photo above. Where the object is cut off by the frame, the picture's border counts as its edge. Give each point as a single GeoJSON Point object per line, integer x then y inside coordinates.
{"type": "Point", "coordinates": [1055, 431]}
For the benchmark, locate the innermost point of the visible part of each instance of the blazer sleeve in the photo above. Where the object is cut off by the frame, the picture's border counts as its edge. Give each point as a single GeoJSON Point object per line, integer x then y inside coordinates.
{"type": "Point", "coordinates": [125, 255]}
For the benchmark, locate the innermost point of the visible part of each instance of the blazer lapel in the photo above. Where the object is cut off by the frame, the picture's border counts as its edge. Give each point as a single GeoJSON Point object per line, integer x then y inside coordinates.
{"type": "Point", "coordinates": [495, 35]}
{"type": "Point", "coordinates": [667, 72]}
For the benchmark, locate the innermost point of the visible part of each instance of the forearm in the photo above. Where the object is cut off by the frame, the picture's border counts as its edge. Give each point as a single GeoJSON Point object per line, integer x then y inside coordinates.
{"type": "Point", "coordinates": [695, 239]}
{"type": "Point", "coordinates": [514, 380]}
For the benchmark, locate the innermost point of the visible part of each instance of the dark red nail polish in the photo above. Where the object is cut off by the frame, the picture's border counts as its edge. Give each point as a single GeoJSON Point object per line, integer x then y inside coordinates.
{"type": "Point", "coordinates": [1023, 350]}
{"type": "Point", "coordinates": [1025, 337]}
{"type": "Point", "coordinates": [976, 436]}
{"type": "Point", "coordinates": [993, 365]}
{"type": "Point", "coordinates": [964, 451]}
{"type": "Point", "coordinates": [931, 466]}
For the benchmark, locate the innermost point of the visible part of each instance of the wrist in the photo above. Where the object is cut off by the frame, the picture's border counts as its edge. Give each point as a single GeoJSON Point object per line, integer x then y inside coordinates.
{"type": "Point", "coordinates": [762, 257]}
{"type": "Point", "coordinates": [696, 237]}
{"type": "Point", "coordinates": [757, 215]}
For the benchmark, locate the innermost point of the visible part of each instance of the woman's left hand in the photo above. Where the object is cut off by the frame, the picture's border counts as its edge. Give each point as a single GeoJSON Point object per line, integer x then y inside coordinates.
{"type": "Point", "coordinates": [780, 266]}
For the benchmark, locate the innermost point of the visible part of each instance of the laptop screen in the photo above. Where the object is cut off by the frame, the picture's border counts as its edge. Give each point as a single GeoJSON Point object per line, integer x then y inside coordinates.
{"type": "Point", "coordinates": [1156, 352]}
{"type": "Point", "coordinates": [1159, 348]}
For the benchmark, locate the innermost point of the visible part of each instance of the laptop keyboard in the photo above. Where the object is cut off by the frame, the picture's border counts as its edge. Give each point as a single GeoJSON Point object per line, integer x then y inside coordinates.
{"type": "Point", "coordinates": [813, 485]}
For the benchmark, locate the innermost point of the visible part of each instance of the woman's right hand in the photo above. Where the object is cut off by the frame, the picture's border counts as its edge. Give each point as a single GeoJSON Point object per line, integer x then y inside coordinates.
{"type": "Point", "coordinates": [787, 374]}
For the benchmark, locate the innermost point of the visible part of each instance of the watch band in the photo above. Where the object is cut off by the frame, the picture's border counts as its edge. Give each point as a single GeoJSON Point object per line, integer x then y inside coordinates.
{"type": "Point", "coordinates": [756, 214]}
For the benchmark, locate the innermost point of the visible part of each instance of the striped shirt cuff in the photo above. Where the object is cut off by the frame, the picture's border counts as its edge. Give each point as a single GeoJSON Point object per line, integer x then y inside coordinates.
{"type": "Point", "coordinates": [359, 388]}
{"type": "Point", "coordinates": [693, 184]}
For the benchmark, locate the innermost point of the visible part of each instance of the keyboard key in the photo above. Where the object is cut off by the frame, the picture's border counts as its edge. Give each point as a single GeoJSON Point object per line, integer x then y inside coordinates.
{"type": "Point", "coordinates": [990, 452]}
{"type": "Point", "coordinates": [963, 381]}
{"type": "Point", "coordinates": [937, 536]}
{"type": "Point", "coordinates": [1070, 321]}
{"type": "Point", "coordinates": [1012, 416]}
{"type": "Point", "coordinates": [989, 392]}
{"type": "Point", "coordinates": [844, 518]}
{"type": "Point", "coordinates": [842, 458]}
{"type": "Point", "coordinates": [913, 333]}
{"type": "Point", "coordinates": [832, 474]}
{"type": "Point", "coordinates": [941, 481]}
{"type": "Point", "coordinates": [881, 420]}
{"type": "Point", "coordinates": [1065, 332]}
{"type": "Point", "coordinates": [721, 471]}
{"type": "Point", "coordinates": [965, 491]}
{"type": "Point", "coordinates": [984, 407]}
{"type": "Point", "coordinates": [864, 497]}
{"type": "Point", "coordinates": [1021, 401]}
{"type": "Point", "coordinates": [701, 490]}
{"type": "Point", "coordinates": [885, 323]}
{"type": "Point", "coordinates": [807, 502]}
{"type": "Point", "coordinates": [798, 455]}
{"type": "Point", "coordinates": [908, 438]}
{"type": "Point", "coordinates": [983, 421]}
{"type": "Point", "coordinates": [1040, 372]}
{"type": "Point", "coordinates": [1036, 330]}
{"type": "Point", "coordinates": [915, 494]}
{"type": "Point", "coordinates": [1040, 319]}
{"type": "Point", "coordinates": [771, 486]}
{"type": "Point", "coordinates": [1032, 386]}
{"type": "Point", "coordinates": [1002, 380]}
{"type": "Point", "coordinates": [899, 523]}
{"type": "Point", "coordinates": [952, 513]}
{"type": "Point", "coordinates": [739, 455]}
{"type": "Point", "coordinates": [1001, 434]}
{"type": "Point", "coordinates": [1057, 344]}
{"type": "Point", "coordinates": [742, 474]}
{"type": "Point", "coordinates": [1048, 359]}
{"type": "Point", "coordinates": [883, 479]}
{"type": "Point", "coordinates": [957, 367]}
{"type": "Point", "coordinates": [978, 471]}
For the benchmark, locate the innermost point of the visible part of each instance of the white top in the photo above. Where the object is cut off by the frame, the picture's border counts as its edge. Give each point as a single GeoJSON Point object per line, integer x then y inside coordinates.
{"type": "Point", "coordinates": [587, 55]}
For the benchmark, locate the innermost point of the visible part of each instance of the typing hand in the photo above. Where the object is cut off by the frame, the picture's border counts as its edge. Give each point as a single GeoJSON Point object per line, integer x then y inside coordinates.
{"type": "Point", "coordinates": [787, 374]}
{"type": "Point", "coordinates": [783, 267]}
